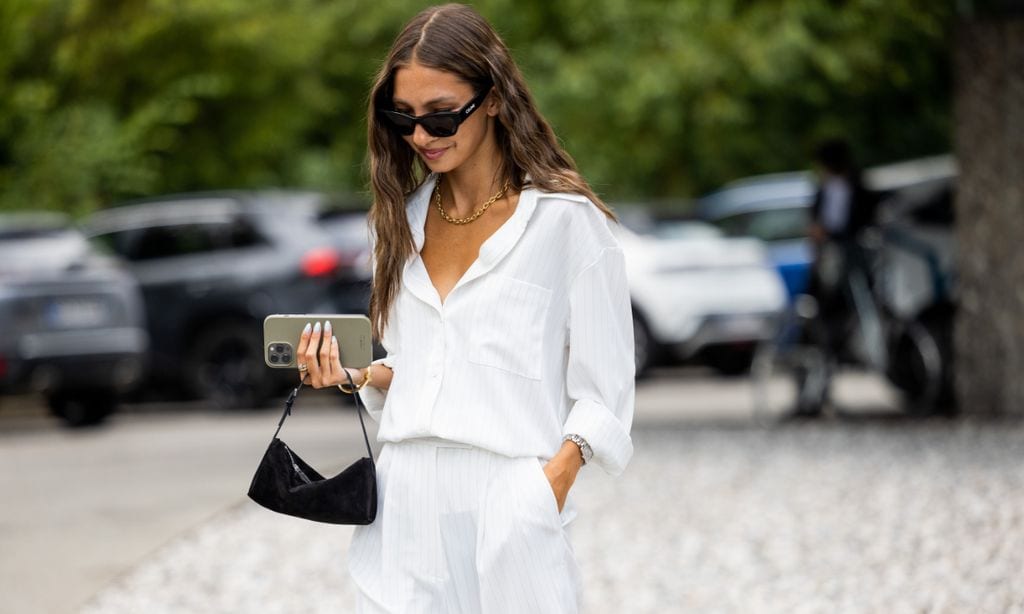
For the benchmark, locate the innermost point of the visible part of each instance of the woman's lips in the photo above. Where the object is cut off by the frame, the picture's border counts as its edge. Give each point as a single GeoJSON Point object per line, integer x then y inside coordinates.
{"type": "Point", "coordinates": [433, 154]}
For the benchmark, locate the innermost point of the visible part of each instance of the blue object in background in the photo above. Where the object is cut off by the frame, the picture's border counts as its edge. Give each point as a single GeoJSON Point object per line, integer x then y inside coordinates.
{"type": "Point", "coordinates": [775, 209]}
{"type": "Point", "coordinates": [793, 261]}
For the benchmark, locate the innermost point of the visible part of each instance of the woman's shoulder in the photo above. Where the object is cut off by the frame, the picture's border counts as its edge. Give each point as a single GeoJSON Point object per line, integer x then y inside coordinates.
{"type": "Point", "coordinates": [582, 221]}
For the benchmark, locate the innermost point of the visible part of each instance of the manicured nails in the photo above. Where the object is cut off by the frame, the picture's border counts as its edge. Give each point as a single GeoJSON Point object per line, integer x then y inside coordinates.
{"type": "Point", "coordinates": [309, 327]}
{"type": "Point", "coordinates": [316, 329]}
{"type": "Point", "coordinates": [327, 327]}
{"type": "Point", "coordinates": [334, 340]}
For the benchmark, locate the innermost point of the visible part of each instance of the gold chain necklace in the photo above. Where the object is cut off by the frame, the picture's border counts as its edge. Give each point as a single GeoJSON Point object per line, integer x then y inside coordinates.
{"type": "Point", "coordinates": [476, 214]}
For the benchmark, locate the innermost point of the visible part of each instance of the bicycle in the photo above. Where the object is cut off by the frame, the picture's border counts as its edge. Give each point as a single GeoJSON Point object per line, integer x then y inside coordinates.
{"type": "Point", "coordinates": [793, 372]}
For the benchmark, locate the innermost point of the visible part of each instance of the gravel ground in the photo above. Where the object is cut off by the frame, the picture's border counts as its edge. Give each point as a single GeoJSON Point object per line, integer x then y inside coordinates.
{"type": "Point", "coordinates": [871, 515]}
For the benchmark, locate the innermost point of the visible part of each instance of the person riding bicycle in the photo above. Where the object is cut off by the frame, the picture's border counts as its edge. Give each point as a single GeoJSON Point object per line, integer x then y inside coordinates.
{"type": "Point", "coordinates": [841, 210]}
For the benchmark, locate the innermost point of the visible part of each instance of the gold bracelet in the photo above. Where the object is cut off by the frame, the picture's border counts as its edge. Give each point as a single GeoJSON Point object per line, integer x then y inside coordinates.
{"type": "Point", "coordinates": [366, 380]}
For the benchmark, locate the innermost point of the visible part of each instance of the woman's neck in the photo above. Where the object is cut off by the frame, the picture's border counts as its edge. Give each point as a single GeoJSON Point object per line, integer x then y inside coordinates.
{"type": "Point", "coordinates": [472, 183]}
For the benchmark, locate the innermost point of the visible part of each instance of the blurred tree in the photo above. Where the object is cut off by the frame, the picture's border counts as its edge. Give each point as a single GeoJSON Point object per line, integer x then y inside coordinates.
{"type": "Point", "coordinates": [989, 335]}
{"type": "Point", "coordinates": [109, 99]}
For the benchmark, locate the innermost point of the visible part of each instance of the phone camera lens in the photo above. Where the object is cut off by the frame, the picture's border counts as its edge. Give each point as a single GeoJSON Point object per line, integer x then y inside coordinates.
{"type": "Point", "coordinates": [274, 358]}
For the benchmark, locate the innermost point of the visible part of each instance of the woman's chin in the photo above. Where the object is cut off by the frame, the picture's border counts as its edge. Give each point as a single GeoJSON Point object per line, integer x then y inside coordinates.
{"type": "Point", "coordinates": [439, 166]}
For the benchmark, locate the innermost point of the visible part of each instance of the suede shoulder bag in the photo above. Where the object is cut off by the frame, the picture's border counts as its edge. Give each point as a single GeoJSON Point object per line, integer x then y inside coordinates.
{"type": "Point", "coordinates": [284, 483]}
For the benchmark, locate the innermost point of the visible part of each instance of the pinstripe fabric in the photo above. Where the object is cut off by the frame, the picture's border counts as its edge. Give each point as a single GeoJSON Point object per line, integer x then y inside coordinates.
{"type": "Point", "coordinates": [534, 341]}
{"type": "Point", "coordinates": [463, 531]}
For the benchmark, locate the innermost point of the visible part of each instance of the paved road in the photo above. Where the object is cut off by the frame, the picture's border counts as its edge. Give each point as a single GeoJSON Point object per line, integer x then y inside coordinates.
{"type": "Point", "coordinates": [866, 513]}
{"type": "Point", "coordinates": [85, 506]}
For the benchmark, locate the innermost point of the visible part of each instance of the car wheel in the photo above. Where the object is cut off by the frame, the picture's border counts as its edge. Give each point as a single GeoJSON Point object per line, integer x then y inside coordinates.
{"type": "Point", "coordinates": [730, 361]}
{"type": "Point", "coordinates": [225, 366]}
{"type": "Point", "coordinates": [82, 407]}
{"type": "Point", "coordinates": [643, 347]}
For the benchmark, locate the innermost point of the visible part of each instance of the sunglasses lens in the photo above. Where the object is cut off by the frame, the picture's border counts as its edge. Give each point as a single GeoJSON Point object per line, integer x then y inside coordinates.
{"type": "Point", "coordinates": [402, 124]}
{"type": "Point", "coordinates": [445, 125]}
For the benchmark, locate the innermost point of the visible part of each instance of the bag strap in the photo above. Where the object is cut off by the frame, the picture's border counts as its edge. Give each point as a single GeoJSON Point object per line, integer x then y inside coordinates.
{"type": "Point", "coordinates": [359, 406]}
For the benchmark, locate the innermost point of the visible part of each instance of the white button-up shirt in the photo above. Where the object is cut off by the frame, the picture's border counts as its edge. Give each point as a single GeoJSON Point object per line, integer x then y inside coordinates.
{"type": "Point", "coordinates": [535, 341]}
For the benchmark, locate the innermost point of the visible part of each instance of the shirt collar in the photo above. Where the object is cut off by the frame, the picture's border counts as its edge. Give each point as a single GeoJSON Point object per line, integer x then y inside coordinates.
{"type": "Point", "coordinates": [498, 244]}
{"type": "Point", "coordinates": [493, 250]}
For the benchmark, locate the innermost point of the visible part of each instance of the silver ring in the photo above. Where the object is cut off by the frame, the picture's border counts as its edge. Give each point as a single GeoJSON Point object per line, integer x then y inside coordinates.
{"type": "Point", "coordinates": [303, 367]}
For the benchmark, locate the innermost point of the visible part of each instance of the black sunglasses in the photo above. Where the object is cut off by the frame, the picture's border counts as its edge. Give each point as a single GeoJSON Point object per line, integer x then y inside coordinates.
{"type": "Point", "coordinates": [444, 123]}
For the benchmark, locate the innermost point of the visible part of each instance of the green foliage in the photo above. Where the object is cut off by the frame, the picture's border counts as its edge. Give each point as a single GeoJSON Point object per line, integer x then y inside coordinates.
{"type": "Point", "coordinates": [108, 99]}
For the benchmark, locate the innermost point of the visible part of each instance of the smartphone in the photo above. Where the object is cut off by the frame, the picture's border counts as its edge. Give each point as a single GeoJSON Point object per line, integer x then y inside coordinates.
{"type": "Point", "coordinates": [281, 334]}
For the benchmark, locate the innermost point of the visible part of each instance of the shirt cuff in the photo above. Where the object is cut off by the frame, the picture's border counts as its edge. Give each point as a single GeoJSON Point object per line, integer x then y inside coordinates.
{"type": "Point", "coordinates": [373, 398]}
{"type": "Point", "coordinates": [610, 442]}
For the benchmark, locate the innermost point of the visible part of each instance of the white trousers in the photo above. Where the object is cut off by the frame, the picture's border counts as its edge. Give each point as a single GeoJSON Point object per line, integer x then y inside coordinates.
{"type": "Point", "coordinates": [461, 530]}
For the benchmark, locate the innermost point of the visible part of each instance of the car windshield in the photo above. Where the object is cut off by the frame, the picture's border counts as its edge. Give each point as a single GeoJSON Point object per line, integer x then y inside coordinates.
{"type": "Point", "coordinates": [781, 224]}
{"type": "Point", "coordinates": [26, 250]}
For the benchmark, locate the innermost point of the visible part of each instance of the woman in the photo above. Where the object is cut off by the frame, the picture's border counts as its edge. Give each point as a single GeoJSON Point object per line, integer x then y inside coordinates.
{"type": "Point", "coordinates": [500, 296]}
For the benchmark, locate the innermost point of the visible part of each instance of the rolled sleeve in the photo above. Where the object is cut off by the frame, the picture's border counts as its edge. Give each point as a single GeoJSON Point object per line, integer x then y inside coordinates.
{"type": "Point", "coordinates": [601, 365]}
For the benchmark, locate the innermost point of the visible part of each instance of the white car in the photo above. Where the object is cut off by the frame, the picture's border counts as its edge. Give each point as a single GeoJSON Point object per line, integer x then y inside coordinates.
{"type": "Point", "coordinates": [697, 294]}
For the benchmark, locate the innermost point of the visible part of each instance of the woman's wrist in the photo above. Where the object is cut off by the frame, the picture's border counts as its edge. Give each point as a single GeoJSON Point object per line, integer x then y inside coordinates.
{"type": "Point", "coordinates": [359, 378]}
{"type": "Point", "coordinates": [569, 454]}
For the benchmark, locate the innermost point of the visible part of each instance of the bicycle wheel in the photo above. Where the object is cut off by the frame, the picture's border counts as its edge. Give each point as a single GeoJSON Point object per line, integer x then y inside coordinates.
{"type": "Point", "coordinates": [790, 375]}
{"type": "Point", "coordinates": [916, 369]}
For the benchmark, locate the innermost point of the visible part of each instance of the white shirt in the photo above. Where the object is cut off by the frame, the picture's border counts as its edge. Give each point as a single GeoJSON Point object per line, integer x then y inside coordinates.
{"type": "Point", "coordinates": [535, 341]}
{"type": "Point", "coordinates": [835, 207]}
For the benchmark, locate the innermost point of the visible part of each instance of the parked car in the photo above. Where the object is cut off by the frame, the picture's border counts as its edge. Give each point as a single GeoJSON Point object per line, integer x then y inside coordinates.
{"type": "Point", "coordinates": [213, 265]}
{"type": "Point", "coordinates": [71, 319]}
{"type": "Point", "coordinates": [697, 294]}
{"type": "Point", "coordinates": [776, 208]}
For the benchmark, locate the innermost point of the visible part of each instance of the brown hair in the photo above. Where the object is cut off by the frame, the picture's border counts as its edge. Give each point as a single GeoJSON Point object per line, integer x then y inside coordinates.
{"type": "Point", "coordinates": [456, 39]}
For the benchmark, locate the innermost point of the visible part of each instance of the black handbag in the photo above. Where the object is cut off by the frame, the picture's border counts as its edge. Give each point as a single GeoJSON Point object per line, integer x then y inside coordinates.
{"type": "Point", "coordinates": [284, 483]}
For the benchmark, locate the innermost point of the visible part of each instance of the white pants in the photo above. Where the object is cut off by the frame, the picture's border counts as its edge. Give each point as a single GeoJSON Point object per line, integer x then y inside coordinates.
{"type": "Point", "coordinates": [463, 530]}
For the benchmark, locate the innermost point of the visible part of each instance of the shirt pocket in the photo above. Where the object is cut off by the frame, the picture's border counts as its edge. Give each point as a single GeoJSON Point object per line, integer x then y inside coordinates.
{"type": "Point", "coordinates": [508, 330]}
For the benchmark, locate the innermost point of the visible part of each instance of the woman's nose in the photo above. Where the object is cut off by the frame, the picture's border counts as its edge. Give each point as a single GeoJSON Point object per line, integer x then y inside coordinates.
{"type": "Point", "coordinates": [420, 137]}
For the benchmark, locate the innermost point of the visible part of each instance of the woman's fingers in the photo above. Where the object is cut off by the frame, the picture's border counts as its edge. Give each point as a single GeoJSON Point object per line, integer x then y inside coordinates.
{"type": "Point", "coordinates": [325, 357]}
{"type": "Point", "coordinates": [300, 351]}
{"type": "Point", "coordinates": [311, 357]}
{"type": "Point", "coordinates": [337, 370]}
{"type": "Point", "coordinates": [323, 361]}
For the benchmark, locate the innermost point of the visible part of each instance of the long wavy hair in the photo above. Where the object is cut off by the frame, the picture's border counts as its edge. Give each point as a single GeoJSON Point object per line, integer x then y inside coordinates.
{"type": "Point", "coordinates": [456, 39]}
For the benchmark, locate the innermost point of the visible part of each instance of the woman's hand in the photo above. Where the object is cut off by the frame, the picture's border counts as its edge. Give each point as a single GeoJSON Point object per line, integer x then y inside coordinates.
{"type": "Point", "coordinates": [561, 471]}
{"type": "Point", "coordinates": [323, 368]}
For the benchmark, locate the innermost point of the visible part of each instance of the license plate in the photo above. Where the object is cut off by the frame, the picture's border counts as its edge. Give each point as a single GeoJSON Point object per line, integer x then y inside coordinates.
{"type": "Point", "coordinates": [75, 313]}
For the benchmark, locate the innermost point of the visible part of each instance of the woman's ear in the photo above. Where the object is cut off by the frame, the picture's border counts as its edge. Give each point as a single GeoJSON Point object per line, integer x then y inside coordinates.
{"type": "Point", "coordinates": [493, 105]}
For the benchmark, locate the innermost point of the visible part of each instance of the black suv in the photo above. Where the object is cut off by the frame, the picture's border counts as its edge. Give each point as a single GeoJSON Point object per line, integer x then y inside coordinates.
{"type": "Point", "coordinates": [71, 318]}
{"type": "Point", "coordinates": [213, 265]}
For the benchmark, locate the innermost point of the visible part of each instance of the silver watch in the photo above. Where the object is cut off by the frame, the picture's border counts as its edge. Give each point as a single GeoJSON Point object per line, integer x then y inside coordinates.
{"type": "Point", "coordinates": [585, 451]}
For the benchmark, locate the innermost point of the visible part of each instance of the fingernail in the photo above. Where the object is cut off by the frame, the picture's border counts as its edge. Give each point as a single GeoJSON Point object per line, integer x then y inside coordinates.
{"type": "Point", "coordinates": [316, 329]}
{"type": "Point", "coordinates": [327, 326]}
{"type": "Point", "coordinates": [334, 340]}
{"type": "Point", "coordinates": [309, 327]}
